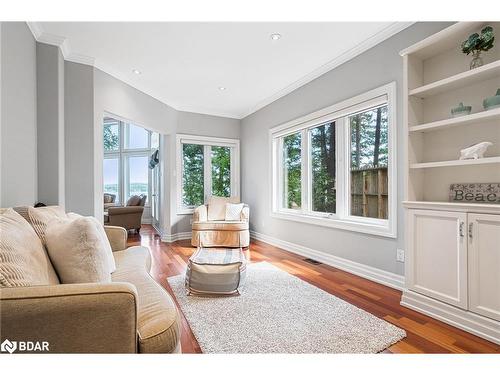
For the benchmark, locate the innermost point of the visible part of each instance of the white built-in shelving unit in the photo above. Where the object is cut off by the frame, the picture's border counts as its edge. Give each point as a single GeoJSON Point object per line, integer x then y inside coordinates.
{"type": "Point", "coordinates": [452, 262]}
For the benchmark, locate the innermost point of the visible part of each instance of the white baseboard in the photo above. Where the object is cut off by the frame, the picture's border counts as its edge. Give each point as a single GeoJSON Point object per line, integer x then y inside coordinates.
{"type": "Point", "coordinates": [478, 325]}
{"type": "Point", "coordinates": [175, 237]}
{"type": "Point", "coordinates": [374, 274]}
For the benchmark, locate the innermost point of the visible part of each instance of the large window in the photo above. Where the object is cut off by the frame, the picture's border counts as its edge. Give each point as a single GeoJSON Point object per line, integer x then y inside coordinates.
{"type": "Point", "coordinates": [335, 167]}
{"type": "Point", "coordinates": [127, 149]}
{"type": "Point", "coordinates": [208, 166]}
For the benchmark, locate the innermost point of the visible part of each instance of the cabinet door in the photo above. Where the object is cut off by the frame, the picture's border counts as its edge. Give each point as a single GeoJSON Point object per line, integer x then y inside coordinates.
{"type": "Point", "coordinates": [437, 255]}
{"type": "Point", "coordinates": [484, 264]}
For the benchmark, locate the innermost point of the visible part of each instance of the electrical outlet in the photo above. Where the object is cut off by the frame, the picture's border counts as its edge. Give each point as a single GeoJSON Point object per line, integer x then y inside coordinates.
{"type": "Point", "coordinates": [400, 255]}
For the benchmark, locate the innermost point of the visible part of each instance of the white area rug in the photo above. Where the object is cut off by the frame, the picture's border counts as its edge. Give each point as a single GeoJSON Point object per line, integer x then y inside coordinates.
{"type": "Point", "coordinates": [280, 313]}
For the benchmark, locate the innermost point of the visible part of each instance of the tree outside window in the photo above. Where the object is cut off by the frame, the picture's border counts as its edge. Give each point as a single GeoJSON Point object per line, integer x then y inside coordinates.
{"type": "Point", "coordinates": [292, 171]}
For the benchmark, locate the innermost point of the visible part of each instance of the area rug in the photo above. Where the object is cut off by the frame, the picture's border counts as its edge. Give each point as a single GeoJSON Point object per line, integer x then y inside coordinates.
{"type": "Point", "coordinates": [280, 313]}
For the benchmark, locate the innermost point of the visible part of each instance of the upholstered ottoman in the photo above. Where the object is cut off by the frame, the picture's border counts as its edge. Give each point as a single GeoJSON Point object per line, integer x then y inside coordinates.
{"type": "Point", "coordinates": [215, 271]}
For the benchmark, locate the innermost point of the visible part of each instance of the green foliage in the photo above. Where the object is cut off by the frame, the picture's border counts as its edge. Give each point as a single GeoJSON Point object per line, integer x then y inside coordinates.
{"type": "Point", "coordinates": [110, 137]}
{"type": "Point", "coordinates": [221, 171]}
{"type": "Point", "coordinates": [323, 168]}
{"type": "Point", "coordinates": [292, 164]}
{"type": "Point", "coordinates": [192, 178]}
{"type": "Point", "coordinates": [477, 42]}
{"type": "Point", "coordinates": [369, 142]}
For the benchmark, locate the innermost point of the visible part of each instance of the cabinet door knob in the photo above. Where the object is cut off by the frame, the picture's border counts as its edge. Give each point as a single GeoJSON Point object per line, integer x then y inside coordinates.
{"type": "Point", "coordinates": [461, 229]}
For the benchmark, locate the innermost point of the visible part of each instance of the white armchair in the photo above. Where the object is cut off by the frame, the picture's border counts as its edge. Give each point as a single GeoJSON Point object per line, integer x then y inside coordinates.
{"type": "Point", "coordinates": [212, 230]}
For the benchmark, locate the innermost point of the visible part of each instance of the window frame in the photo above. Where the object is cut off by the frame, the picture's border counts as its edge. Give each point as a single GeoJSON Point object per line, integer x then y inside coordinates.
{"type": "Point", "coordinates": [338, 113]}
{"type": "Point", "coordinates": [207, 142]}
{"type": "Point", "coordinates": [123, 154]}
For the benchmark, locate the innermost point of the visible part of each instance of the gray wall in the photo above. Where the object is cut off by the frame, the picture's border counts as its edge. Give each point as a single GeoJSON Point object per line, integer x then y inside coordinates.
{"type": "Point", "coordinates": [197, 124]}
{"type": "Point", "coordinates": [375, 67]}
{"type": "Point", "coordinates": [50, 124]}
{"type": "Point", "coordinates": [18, 170]}
{"type": "Point", "coordinates": [79, 137]}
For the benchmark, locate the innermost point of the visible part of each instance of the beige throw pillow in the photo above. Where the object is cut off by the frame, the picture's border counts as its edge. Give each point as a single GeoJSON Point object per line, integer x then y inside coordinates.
{"type": "Point", "coordinates": [233, 211]}
{"type": "Point", "coordinates": [77, 251]}
{"type": "Point", "coordinates": [217, 207]}
{"type": "Point", "coordinates": [23, 260]}
{"type": "Point", "coordinates": [39, 218]}
{"type": "Point", "coordinates": [104, 238]}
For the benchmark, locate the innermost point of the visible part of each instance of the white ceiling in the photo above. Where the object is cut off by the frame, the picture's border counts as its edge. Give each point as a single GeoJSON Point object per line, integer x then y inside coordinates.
{"type": "Point", "coordinates": [183, 64]}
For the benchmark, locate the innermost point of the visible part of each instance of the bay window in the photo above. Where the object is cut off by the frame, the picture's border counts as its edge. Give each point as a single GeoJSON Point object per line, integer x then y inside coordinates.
{"type": "Point", "coordinates": [336, 167]}
{"type": "Point", "coordinates": [207, 167]}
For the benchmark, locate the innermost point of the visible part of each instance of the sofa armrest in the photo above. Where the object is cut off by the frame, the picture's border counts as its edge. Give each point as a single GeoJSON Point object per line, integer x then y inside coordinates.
{"type": "Point", "coordinates": [245, 213]}
{"type": "Point", "coordinates": [72, 318]}
{"type": "Point", "coordinates": [117, 237]}
{"type": "Point", "coordinates": [200, 213]}
{"type": "Point", "coordinates": [125, 210]}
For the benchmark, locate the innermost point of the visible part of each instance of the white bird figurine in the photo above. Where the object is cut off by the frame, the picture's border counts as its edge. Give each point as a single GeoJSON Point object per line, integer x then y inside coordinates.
{"type": "Point", "coordinates": [475, 151]}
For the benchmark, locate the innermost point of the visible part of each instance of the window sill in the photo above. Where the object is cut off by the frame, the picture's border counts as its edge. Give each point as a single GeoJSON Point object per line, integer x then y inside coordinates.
{"type": "Point", "coordinates": [185, 211]}
{"type": "Point", "coordinates": [384, 230]}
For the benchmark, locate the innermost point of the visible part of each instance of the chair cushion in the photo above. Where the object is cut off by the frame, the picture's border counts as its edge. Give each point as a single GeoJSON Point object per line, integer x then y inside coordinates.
{"type": "Point", "coordinates": [158, 323]}
{"type": "Point", "coordinates": [233, 211]}
{"type": "Point", "coordinates": [23, 259]}
{"type": "Point", "coordinates": [217, 207]}
{"type": "Point", "coordinates": [220, 225]}
{"type": "Point", "coordinates": [134, 200]}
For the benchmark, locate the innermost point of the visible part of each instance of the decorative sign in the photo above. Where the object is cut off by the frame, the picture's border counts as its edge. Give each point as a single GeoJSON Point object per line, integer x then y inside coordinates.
{"type": "Point", "coordinates": [475, 193]}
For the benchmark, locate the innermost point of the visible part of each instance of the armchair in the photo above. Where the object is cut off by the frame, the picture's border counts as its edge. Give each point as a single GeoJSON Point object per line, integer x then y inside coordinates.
{"type": "Point", "coordinates": [128, 217]}
{"type": "Point", "coordinates": [210, 228]}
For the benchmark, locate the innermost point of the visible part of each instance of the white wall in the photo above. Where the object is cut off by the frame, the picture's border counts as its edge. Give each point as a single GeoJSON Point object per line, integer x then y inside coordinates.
{"type": "Point", "coordinates": [18, 169]}
{"type": "Point", "coordinates": [375, 67]}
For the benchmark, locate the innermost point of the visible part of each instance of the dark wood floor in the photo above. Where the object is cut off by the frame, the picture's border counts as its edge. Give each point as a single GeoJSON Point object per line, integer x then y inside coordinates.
{"type": "Point", "coordinates": [424, 334]}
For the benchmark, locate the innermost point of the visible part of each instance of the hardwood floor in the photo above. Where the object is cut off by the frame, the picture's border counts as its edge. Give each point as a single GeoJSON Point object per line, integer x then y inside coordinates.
{"type": "Point", "coordinates": [424, 334]}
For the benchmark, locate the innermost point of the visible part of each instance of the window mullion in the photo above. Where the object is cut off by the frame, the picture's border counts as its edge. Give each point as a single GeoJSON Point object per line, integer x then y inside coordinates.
{"type": "Point", "coordinates": [342, 160]}
{"type": "Point", "coordinates": [207, 171]}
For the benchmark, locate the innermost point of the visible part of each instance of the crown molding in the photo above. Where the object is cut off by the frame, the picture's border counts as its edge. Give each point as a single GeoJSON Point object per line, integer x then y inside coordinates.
{"type": "Point", "coordinates": [371, 42]}
{"type": "Point", "coordinates": [63, 44]}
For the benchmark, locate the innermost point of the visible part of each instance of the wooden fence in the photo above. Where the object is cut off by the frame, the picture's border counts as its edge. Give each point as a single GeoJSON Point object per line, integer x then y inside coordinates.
{"type": "Point", "coordinates": [369, 192]}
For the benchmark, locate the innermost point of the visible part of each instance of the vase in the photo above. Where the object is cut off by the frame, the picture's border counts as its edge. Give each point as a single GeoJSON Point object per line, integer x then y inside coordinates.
{"type": "Point", "coordinates": [476, 61]}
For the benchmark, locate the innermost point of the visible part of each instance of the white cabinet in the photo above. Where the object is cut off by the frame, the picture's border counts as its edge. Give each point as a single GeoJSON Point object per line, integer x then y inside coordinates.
{"type": "Point", "coordinates": [484, 264]}
{"type": "Point", "coordinates": [436, 262]}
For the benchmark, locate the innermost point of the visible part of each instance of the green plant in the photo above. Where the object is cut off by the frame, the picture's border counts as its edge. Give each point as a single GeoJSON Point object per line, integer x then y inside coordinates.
{"type": "Point", "coordinates": [476, 42]}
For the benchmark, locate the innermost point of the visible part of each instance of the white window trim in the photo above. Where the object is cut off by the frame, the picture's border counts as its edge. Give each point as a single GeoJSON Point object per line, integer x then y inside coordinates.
{"type": "Point", "coordinates": [123, 154]}
{"type": "Point", "coordinates": [234, 144]}
{"type": "Point", "coordinates": [338, 112]}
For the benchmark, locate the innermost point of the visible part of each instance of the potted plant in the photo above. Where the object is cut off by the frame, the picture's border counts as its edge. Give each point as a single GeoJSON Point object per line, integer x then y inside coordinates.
{"type": "Point", "coordinates": [477, 43]}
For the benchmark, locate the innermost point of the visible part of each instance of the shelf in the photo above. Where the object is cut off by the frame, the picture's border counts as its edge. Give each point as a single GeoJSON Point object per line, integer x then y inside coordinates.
{"type": "Point", "coordinates": [492, 114]}
{"type": "Point", "coordinates": [442, 41]}
{"type": "Point", "coordinates": [456, 163]}
{"type": "Point", "coordinates": [459, 80]}
{"type": "Point", "coordinates": [454, 206]}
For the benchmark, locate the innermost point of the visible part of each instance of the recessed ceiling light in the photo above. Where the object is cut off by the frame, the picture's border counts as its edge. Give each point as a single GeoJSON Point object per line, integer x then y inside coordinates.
{"type": "Point", "coordinates": [222, 88]}
{"type": "Point", "coordinates": [135, 71]}
{"type": "Point", "coordinates": [275, 36]}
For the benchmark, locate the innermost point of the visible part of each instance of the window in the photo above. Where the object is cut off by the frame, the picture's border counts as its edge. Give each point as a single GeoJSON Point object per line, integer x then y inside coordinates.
{"type": "Point", "coordinates": [127, 150]}
{"type": "Point", "coordinates": [335, 167]}
{"type": "Point", "coordinates": [208, 166]}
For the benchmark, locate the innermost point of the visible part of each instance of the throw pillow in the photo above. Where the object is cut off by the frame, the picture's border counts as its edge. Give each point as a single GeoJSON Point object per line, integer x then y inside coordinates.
{"type": "Point", "coordinates": [104, 238]}
{"type": "Point", "coordinates": [233, 211]}
{"type": "Point", "coordinates": [41, 216]}
{"type": "Point", "coordinates": [77, 251]}
{"type": "Point", "coordinates": [23, 259]}
{"type": "Point", "coordinates": [134, 200]}
{"type": "Point", "coordinates": [217, 207]}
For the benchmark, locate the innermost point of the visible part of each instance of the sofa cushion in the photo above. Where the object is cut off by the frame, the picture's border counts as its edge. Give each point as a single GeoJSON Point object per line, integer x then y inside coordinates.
{"type": "Point", "coordinates": [78, 251]}
{"type": "Point", "coordinates": [217, 207]}
{"type": "Point", "coordinates": [220, 225]}
{"type": "Point", "coordinates": [23, 259]}
{"type": "Point", "coordinates": [158, 320]}
{"type": "Point", "coordinates": [39, 218]}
